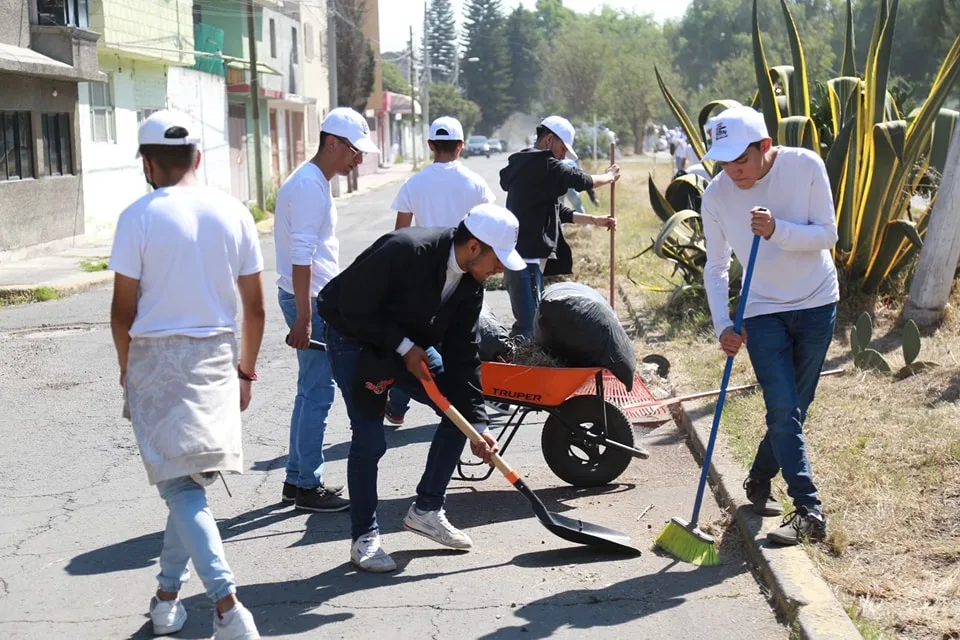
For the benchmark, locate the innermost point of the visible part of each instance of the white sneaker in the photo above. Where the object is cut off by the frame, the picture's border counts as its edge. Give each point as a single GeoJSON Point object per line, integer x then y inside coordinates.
{"type": "Point", "coordinates": [434, 525]}
{"type": "Point", "coordinates": [367, 554]}
{"type": "Point", "coordinates": [239, 625]}
{"type": "Point", "coordinates": [168, 616]}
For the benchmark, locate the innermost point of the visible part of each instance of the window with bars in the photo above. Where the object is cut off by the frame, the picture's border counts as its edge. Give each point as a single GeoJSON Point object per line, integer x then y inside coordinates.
{"type": "Point", "coordinates": [16, 146]}
{"type": "Point", "coordinates": [63, 13]}
{"type": "Point", "coordinates": [57, 143]}
{"type": "Point", "coordinates": [101, 112]}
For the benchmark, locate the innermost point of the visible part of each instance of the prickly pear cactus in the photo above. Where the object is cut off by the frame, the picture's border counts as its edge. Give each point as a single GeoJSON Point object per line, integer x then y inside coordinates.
{"type": "Point", "coordinates": [911, 342]}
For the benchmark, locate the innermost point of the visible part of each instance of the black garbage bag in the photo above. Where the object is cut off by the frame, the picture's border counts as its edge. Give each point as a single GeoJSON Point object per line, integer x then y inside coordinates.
{"type": "Point", "coordinates": [495, 345]}
{"type": "Point", "coordinates": [577, 325]}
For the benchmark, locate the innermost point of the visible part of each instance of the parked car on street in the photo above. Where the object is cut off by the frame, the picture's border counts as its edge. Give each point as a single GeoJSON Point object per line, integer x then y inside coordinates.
{"type": "Point", "coordinates": [477, 146]}
{"type": "Point", "coordinates": [496, 145]}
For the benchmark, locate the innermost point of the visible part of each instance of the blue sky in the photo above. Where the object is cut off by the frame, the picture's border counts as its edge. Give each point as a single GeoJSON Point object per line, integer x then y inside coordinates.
{"type": "Point", "coordinates": [396, 16]}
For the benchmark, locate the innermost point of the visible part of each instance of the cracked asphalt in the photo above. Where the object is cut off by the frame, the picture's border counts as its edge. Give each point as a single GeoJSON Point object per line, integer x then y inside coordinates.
{"type": "Point", "coordinates": [80, 528]}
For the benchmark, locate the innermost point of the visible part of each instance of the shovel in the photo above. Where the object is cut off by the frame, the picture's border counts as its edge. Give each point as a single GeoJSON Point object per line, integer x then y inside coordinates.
{"type": "Point", "coordinates": [572, 529]}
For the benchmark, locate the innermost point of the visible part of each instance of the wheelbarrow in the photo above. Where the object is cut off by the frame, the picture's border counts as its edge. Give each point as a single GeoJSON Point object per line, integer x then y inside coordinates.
{"type": "Point", "coordinates": [586, 440]}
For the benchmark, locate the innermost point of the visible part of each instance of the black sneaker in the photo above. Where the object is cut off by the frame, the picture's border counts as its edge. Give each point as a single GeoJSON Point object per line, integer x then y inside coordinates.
{"type": "Point", "coordinates": [761, 495]}
{"type": "Point", "coordinates": [320, 500]}
{"type": "Point", "coordinates": [799, 526]}
{"type": "Point", "coordinates": [289, 493]}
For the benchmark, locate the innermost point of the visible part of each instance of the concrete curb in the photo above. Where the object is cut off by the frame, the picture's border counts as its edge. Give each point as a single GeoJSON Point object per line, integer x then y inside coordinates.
{"type": "Point", "coordinates": [799, 592]}
{"type": "Point", "coordinates": [67, 286]}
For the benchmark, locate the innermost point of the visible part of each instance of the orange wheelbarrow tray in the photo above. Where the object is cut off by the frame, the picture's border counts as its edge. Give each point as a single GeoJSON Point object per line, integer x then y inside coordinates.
{"type": "Point", "coordinates": [586, 440]}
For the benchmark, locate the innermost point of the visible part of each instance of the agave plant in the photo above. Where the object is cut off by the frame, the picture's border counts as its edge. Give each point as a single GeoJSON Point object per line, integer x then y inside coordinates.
{"type": "Point", "coordinates": [877, 158]}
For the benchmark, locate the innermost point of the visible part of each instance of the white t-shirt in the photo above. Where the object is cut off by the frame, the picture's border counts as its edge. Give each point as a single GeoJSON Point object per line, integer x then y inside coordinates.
{"type": "Point", "coordinates": [305, 227]}
{"type": "Point", "coordinates": [794, 269]}
{"type": "Point", "coordinates": [187, 246]}
{"type": "Point", "coordinates": [442, 194]}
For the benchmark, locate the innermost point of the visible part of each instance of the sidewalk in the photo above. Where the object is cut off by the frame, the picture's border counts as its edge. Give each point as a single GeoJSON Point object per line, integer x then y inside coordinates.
{"type": "Point", "coordinates": [63, 272]}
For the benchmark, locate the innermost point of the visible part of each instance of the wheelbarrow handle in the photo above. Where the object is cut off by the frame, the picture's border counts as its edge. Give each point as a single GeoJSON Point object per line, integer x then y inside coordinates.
{"type": "Point", "coordinates": [464, 425]}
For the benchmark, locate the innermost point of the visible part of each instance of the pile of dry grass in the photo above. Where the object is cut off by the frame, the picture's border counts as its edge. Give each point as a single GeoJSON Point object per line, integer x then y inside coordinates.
{"type": "Point", "coordinates": [529, 354]}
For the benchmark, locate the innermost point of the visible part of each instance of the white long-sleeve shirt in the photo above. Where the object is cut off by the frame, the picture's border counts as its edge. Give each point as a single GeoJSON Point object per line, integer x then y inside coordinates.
{"type": "Point", "coordinates": [794, 269]}
{"type": "Point", "coordinates": [305, 227]}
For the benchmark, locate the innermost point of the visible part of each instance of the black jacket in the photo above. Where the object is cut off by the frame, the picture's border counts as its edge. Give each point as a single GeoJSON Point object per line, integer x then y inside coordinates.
{"type": "Point", "coordinates": [534, 181]}
{"type": "Point", "coordinates": [392, 291]}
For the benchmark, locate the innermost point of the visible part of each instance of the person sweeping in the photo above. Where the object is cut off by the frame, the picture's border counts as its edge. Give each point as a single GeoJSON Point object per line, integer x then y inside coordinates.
{"type": "Point", "coordinates": [783, 195]}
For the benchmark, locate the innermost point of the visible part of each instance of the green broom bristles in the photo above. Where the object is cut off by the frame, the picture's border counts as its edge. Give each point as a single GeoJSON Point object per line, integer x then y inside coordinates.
{"type": "Point", "coordinates": [684, 545]}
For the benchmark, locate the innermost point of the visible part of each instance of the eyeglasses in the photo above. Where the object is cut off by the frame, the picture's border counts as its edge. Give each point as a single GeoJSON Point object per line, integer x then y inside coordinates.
{"type": "Point", "coordinates": [353, 149]}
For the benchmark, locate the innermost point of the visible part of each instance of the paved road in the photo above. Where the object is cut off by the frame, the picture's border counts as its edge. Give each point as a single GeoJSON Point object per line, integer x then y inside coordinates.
{"type": "Point", "coordinates": [80, 529]}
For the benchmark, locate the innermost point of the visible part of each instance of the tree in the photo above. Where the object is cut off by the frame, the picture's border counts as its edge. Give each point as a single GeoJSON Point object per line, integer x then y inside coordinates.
{"type": "Point", "coordinates": [629, 91]}
{"type": "Point", "coordinates": [573, 67]}
{"type": "Point", "coordinates": [446, 100]}
{"type": "Point", "coordinates": [441, 37]}
{"type": "Point", "coordinates": [552, 16]}
{"type": "Point", "coordinates": [487, 79]}
{"type": "Point", "coordinates": [523, 40]}
{"type": "Point", "coordinates": [393, 79]}
{"type": "Point", "coordinates": [356, 59]}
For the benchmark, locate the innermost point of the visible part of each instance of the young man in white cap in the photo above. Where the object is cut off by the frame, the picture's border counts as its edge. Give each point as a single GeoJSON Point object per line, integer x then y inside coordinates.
{"type": "Point", "coordinates": [534, 180]}
{"type": "Point", "coordinates": [439, 196]}
{"type": "Point", "coordinates": [782, 194]}
{"type": "Point", "coordinates": [307, 258]}
{"type": "Point", "coordinates": [180, 256]}
{"type": "Point", "coordinates": [413, 299]}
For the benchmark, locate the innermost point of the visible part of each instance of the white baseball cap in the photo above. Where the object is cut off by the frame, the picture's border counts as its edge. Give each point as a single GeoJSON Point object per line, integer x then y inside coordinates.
{"type": "Point", "coordinates": [347, 123]}
{"type": "Point", "coordinates": [733, 131]}
{"type": "Point", "coordinates": [168, 128]}
{"type": "Point", "coordinates": [562, 128]}
{"type": "Point", "coordinates": [497, 227]}
{"type": "Point", "coordinates": [446, 128]}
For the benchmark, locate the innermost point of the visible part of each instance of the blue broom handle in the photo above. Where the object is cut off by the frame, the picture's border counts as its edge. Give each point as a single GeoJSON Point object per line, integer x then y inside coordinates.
{"type": "Point", "coordinates": [723, 384]}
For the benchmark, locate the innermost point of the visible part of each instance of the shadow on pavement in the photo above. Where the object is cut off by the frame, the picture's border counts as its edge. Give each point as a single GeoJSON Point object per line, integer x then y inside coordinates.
{"type": "Point", "coordinates": [613, 605]}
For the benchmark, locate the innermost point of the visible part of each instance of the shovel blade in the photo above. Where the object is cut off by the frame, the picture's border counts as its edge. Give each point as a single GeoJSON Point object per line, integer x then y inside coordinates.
{"type": "Point", "coordinates": [594, 535]}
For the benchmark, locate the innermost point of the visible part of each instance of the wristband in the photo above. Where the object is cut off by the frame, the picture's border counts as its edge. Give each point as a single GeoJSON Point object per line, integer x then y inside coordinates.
{"type": "Point", "coordinates": [249, 378]}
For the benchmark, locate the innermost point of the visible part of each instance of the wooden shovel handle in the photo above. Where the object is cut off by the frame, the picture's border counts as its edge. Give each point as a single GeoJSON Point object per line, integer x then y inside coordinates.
{"type": "Point", "coordinates": [463, 424]}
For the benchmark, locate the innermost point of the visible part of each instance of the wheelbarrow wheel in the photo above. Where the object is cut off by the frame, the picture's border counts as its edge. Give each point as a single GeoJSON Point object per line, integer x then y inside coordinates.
{"type": "Point", "coordinates": [581, 461]}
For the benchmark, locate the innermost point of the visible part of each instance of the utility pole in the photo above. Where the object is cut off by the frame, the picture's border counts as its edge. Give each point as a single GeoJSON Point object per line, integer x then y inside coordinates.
{"type": "Point", "coordinates": [332, 53]}
{"type": "Point", "coordinates": [427, 77]}
{"type": "Point", "coordinates": [413, 97]}
{"type": "Point", "coordinates": [255, 98]}
{"type": "Point", "coordinates": [332, 75]}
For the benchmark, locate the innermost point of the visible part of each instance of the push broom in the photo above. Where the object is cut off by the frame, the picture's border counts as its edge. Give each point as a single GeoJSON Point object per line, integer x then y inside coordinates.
{"type": "Point", "coordinates": [684, 540]}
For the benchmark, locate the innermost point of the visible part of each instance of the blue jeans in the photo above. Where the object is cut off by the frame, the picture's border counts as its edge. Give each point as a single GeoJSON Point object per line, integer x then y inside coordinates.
{"type": "Point", "coordinates": [576, 203]}
{"type": "Point", "coordinates": [525, 289]}
{"type": "Point", "coordinates": [368, 444]}
{"type": "Point", "coordinates": [192, 534]}
{"type": "Point", "coordinates": [315, 393]}
{"type": "Point", "coordinates": [787, 351]}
